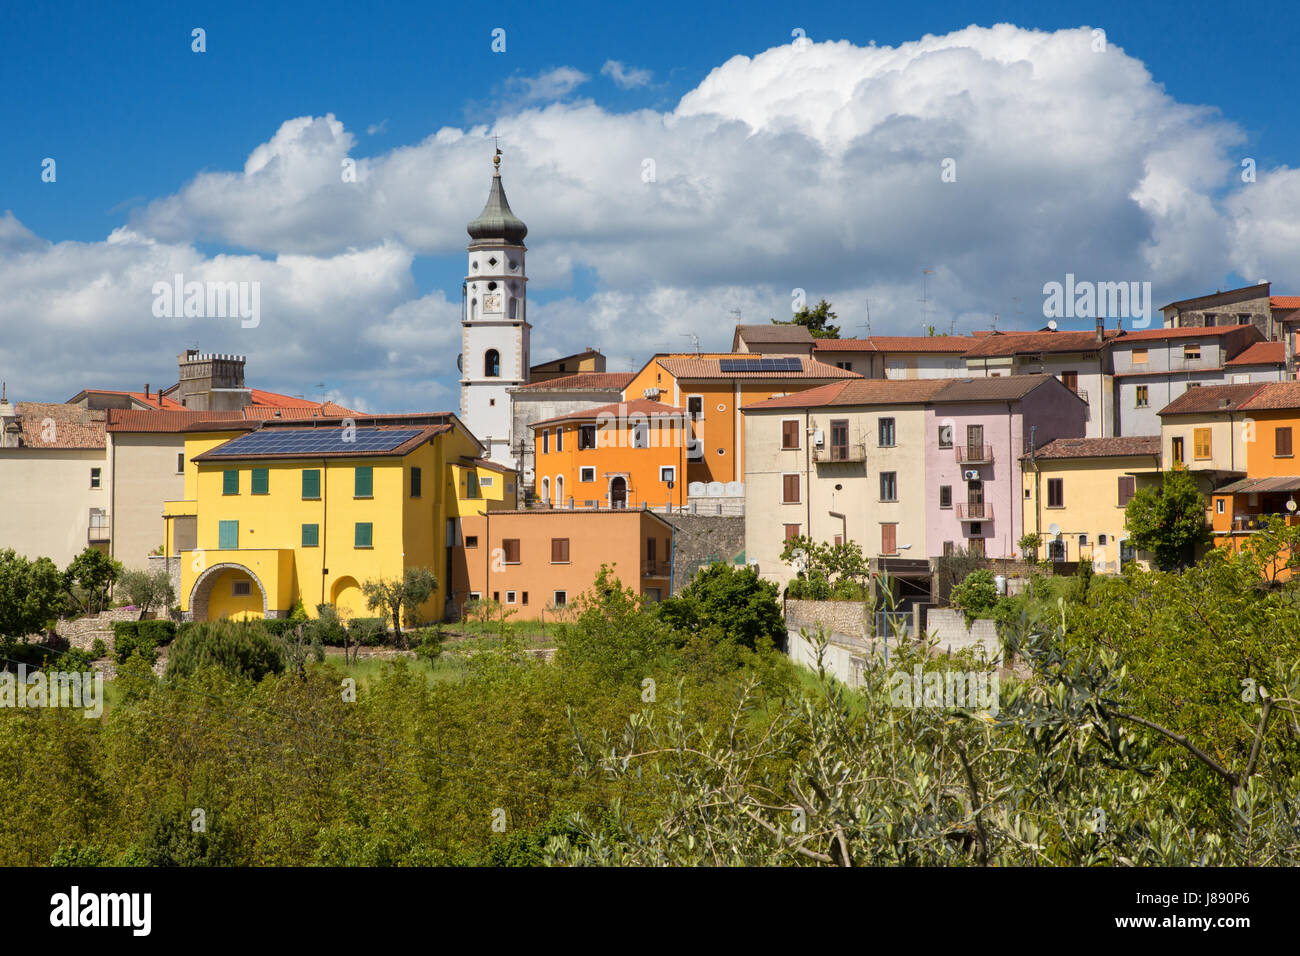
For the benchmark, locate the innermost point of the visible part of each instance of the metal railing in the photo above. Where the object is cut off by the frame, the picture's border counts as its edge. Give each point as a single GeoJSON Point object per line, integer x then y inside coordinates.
{"type": "Point", "coordinates": [974, 512]}
{"type": "Point", "coordinates": [853, 451]}
{"type": "Point", "coordinates": [974, 454]}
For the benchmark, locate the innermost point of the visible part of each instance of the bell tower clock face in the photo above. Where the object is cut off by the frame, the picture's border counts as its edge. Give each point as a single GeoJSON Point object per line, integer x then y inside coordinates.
{"type": "Point", "coordinates": [492, 302]}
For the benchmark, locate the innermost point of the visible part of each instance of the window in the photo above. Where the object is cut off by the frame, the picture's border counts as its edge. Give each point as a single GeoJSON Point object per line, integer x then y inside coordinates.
{"type": "Point", "coordinates": [1218, 505]}
{"type": "Point", "coordinates": [650, 545]}
{"type": "Point", "coordinates": [471, 541]}
{"type": "Point", "coordinates": [311, 536]}
{"type": "Point", "coordinates": [1083, 541]}
{"type": "Point", "coordinates": [948, 549]}
{"type": "Point", "coordinates": [886, 433]}
{"type": "Point", "coordinates": [1176, 449]}
{"type": "Point", "coordinates": [476, 595]}
{"type": "Point", "coordinates": [586, 437]}
{"type": "Point", "coordinates": [559, 439]}
{"type": "Point", "coordinates": [790, 489]}
{"type": "Point", "coordinates": [1200, 443]}
{"type": "Point", "coordinates": [789, 434]}
{"type": "Point", "coordinates": [791, 531]}
{"type": "Point", "coordinates": [889, 539]}
{"type": "Point", "coordinates": [496, 596]}
{"type": "Point", "coordinates": [976, 531]}
{"type": "Point", "coordinates": [559, 551]}
{"type": "Point", "coordinates": [945, 436]}
{"type": "Point", "coordinates": [311, 483]}
{"type": "Point", "coordinates": [889, 486]}
{"type": "Point", "coordinates": [546, 441]}
{"type": "Point", "coordinates": [510, 550]}
{"type": "Point", "coordinates": [471, 484]}
{"type": "Point", "coordinates": [95, 474]}
{"type": "Point", "coordinates": [847, 366]}
{"type": "Point", "coordinates": [560, 598]}
{"type": "Point", "coordinates": [261, 481]}
{"type": "Point", "coordinates": [641, 435]}
{"type": "Point", "coordinates": [510, 597]}
{"type": "Point", "coordinates": [587, 473]}
{"type": "Point", "coordinates": [1282, 443]}
{"type": "Point", "coordinates": [1192, 352]}
{"type": "Point", "coordinates": [364, 482]}
{"type": "Point", "coordinates": [1210, 319]}
{"type": "Point", "coordinates": [840, 439]}
{"type": "Point", "coordinates": [1056, 492]}
{"type": "Point", "coordinates": [1141, 401]}
{"type": "Point", "coordinates": [241, 588]}
{"type": "Point", "coordinates": [1141, 356]}
{"type": "Point", "coordinates": [491, 364]}
{"type": "Point", "coordinates": [1070, 380]}
{"type": "Point", "coordinates": [229, 482]}
{"type": "Point", "coordinates": [525, 598]}
{"type": "Point", "coordinates": [945, 496]}
{"type": "Point", "coordinates": [417, 478]}
{"type": "Point", "coordinates": [1127, 488]}
{"type": "Point", "coordinates": [667, 473]}
{"type": "Point", "coordinates": [695, 406]}
{"type": "Point", "coordinates": [364, 535]}
{"type": "Point", "coordinates": [180, 462]}
{"type": "Point", "coordinates": [559, 490]}
{"type": "Point", "coordinates": [227, 535]}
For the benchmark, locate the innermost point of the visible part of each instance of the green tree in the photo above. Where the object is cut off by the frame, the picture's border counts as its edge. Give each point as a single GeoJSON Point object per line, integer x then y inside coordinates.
{"type": "Point", "coordinates": [611, 639]}
{"type": "Point", "coordinates": [817, 320]}
{"type": "Point", "coordinates": [31, 593]}
{"type": "Point", "coordinates": [733, 599]}
{"type": "Point", "coordinates": [148, 589]}
{"type": "Point", "coordinates": [392, 596]}
{"type": "Point", "coordinates": [977, 594]}
{"type": "Point", "coordinates": [241, 648]}
{"type": "Point", "coordinates": [1168, 521]}
{"type": "Point", "coordinates": [1029, 545]}
{"type": "Point", "coordinates": [89, 577]}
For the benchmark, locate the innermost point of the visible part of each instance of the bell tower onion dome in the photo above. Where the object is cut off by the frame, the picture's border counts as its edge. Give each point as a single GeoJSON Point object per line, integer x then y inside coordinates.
{"type": "Point", "coordinates": [496, 224]}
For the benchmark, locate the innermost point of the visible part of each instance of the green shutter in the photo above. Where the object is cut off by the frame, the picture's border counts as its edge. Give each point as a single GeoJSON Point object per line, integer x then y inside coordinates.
{"type": "Point", "coordinates": [365, 483]}
{"type": "Point", "coordinates": [227, 534]}
{"type": "Point", "coordinates": [230, 482]}
{"type": "Point", "coordinates": [311, 482]}
{"type": "Point", "coordinates": [311, 535]}
{"type": "Point", "coordinates": [364, 535]}
{"type": "Point", "coordinates": [261, 481]}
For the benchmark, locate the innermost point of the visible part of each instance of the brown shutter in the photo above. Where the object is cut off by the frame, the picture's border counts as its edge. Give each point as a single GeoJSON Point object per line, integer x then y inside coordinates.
{"type": "Point", "coordinates": [511, 548]}
{"type": "Point", "coordinates": [790, 489]}
{"type": "Point", "coordinates": [1127, 487]}
{"type": "Point", "coordinates": [559, 550]}
{"type": "Point", "coordinates": [888, 538]}
{"type": "Point", "coordinates": [1282, 442]}
{"type": "Point", "coordinates": [789, 434]}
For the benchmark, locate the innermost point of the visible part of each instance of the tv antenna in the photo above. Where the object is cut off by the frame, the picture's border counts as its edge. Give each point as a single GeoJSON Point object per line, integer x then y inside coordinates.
{"type": "Point", "coordinates": [695, 341]}
{"type": "Point", "coordinates": [867, 324]}
{"type": "Point", "coordinates": [925, 298]}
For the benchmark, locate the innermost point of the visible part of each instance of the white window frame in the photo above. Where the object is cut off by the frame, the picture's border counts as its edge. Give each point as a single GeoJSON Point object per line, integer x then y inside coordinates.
{"type": "Point", "coordinates": [587, 473]}
{"type": "Point", "coordinates": [798, 446]}
{"type": "Point", "coordinates": [556, 600]}
{"type": "Point", "coordinates": [667, 473]}
{"type": "Point", "coordinates": [510, 597]}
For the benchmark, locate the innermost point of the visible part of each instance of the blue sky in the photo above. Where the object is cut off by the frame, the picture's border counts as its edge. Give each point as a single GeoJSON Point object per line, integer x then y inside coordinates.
{"type": "Point", "coordinates": [134, 119]}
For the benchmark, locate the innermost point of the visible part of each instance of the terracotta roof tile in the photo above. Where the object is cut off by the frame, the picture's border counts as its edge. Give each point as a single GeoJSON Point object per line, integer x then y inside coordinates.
{"type": "Point", "coordinates": [1019, 343]}
{"type": "Point", "coordinates": [585, 381]}
{"type": "Point", "coordinates": [709, 367]}
{"type": "Point", "coordinates": [787, 333]}
{"type": "Point", "coordinates": [1183, 332]}
{"type": "Point", "coordinates": [1212, 398]}
{"type": "Point", "coordinates": [862, 391]}
{"type": "Point", "coordinates": [1002, 388]}
{"type": "Point", "coordinates": [1146, 445]}
{"type": "Point", "coordinates": [1262, 353]}
{"type": "Point", "coordinates": [1275, 395]}
{"type": "Point", "coordinates": [899, 343]}
{"type": "Point", "coordinates": [636, 406]}
{"type": "Point", "coordinates": [1284, 301]}
{"type": "Point", "coordinates": [51, 425]}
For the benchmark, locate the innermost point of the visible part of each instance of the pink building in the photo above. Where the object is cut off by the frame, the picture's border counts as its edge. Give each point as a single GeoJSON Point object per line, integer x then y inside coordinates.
{"type": "Point", "coordinates": [976, 431]}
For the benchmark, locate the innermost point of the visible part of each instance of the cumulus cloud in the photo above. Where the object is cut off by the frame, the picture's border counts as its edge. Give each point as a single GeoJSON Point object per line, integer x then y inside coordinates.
{"type": "Point", "coordinates": [1001, 158]}
{"type": "Point", "coordinates": [625, 77]}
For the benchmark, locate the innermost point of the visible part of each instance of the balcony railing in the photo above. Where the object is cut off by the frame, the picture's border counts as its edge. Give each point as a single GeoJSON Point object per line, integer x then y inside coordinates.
{"type": "Point", "coordinates": [98, 533]}
{"type": "Point", "coordinates": [654, 569]}
{"type": "Point", "coordinates": [854, 451]}
{"type": "Point", "coordinates": [975, 454]}
{"type": "Point", "coordinates": [974, 512]}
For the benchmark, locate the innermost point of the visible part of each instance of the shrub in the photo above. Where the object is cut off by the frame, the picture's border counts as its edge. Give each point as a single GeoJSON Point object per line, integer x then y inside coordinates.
{"type": "Point", "coordinates": [327, 627]}
{"type": "Point", "coordinates": [157, 633]}
{"type": "Point", "coordinates": [367, 631]}
{"type": "Point", "coordinates": [429, 645]}
{"type": "Point", "coordinates": [977, 594]}
{"type": "Point", "coordinates": [129, 641]}
{"type": "Point", "coordinates": [98, 649]}
{"type": "Point", "coordinates": [242, 648]}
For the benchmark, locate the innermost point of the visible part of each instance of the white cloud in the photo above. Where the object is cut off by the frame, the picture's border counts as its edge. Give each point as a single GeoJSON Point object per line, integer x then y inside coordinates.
{"type": "Point", "coordinates": [624, 77]}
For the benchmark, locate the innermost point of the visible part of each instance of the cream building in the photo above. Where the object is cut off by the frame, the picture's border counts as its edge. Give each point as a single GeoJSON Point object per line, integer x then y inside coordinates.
{"type": "Point", "coordinates": [1205, 431]}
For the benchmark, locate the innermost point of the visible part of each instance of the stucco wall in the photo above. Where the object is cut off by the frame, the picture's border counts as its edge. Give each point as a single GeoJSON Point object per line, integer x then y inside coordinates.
{"type": "Point", "coordinates": [948, 628]}
{"type": "Point", "coordinates": [144, 476]}
{"type": "Point", "coordinates": [47, 511]}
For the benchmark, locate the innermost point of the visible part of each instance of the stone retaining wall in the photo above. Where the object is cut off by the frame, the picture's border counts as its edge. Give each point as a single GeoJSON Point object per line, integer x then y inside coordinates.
{"type": "Point", "coordinates": [700, 539]}
{"type": "Point", "coordinates": [949, 627]}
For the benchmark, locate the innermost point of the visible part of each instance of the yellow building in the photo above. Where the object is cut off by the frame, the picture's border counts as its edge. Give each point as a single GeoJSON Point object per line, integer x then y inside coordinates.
{"type": "Point", "coordinates": [287, 513]}
{"type": "Point", "coordinates": [1075, 493]}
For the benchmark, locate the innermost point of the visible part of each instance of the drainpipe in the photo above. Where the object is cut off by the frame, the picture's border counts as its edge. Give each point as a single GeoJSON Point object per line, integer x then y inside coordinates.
{"type": "Point", "coordinates": [1011, 491]}
{"type": "Point", "coordinates": [672, 556]}
{"type": "Point", "coordinates": [1038, 512]}
{"type": "Point", "coordinates": [807, 470]}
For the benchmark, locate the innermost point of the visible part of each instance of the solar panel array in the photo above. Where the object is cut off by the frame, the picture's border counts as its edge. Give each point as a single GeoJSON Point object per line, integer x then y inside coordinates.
{"type": "Point", "coordinates": [761, 365]}
{"type": "Point", "coordinates": [316, 441]}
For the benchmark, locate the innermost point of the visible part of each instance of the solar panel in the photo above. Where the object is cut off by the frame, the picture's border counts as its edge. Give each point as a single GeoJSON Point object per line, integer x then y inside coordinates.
{"type": "Point", "coordinates": [316, 441]}
{"type": "Point", "coordinates": [760, 365]}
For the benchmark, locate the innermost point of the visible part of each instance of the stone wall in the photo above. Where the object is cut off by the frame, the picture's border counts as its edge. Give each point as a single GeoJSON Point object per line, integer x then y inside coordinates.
{"type": "Point", "coordinates": [158, 562]}
{"type": "Point", "coordinates": [948, 627]}
{"type": "Point", "coordinates": [82, 632]}
{"type": "Point", "coordinates": [843, 660]}
{"type": "Point", "coordinates": [839, 619]}
{"type": "Point", "coordinates": [702, 539]}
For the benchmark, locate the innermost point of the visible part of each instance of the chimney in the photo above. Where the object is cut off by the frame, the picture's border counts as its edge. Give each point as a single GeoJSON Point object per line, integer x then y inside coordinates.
{"type": "Point", "coordinates": [146, 391]}
{"type": "Point", "coordinates": [1101, 329]}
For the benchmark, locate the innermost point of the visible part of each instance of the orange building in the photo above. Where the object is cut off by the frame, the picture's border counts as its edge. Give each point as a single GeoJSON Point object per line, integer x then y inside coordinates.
{"type": "Point", "coordinates": [1272, 484]}
{"type": "Point", "coordinates": [623, 454]}
{"type": "Point", "coordinates": [712, 388]}
{"type": "Point", "coordinates": [538, 562]}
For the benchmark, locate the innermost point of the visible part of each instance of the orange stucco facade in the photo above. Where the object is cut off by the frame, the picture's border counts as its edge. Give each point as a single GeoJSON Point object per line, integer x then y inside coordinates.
{"type": "Point", "coordinates": [555, 556]}
{"type": "Point", "coordinates": [1271, 485]}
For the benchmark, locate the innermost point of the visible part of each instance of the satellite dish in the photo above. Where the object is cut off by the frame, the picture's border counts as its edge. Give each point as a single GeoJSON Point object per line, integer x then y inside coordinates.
{"type": "Point", "coordinates": [1290, 504]}
{"type": "Point", "coordinates": [1051, 324]}
{"type": "Point", "coordinates": [1054, 529]}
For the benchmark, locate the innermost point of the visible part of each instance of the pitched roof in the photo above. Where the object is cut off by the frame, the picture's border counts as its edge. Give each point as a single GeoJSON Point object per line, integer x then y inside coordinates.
{"type": "Point", "coordinates": [1002, 388]}
{"type": "Point", "coordinates": [154, 399]}
{"type": "Point", "coordinates": [1145, 445]}
{"type": "Point", "coordinates": [1261, 485]}
{"type": "Point", "coordinates": [861, 391]}
{"type": "Point", "coordinates": [564, 358]}
{"type": "Point", "coordinates": [1223, 297]}
{"type": "Point", "coordinates": [345, 449]}
{"type": "Point", "coordinates": [184, 419]}
{"type": "Point", "coordinates": [702, 367]}
{"type": "Point", "coordinates": [1261, 353]}
{"type": "Point", "coordinates": [636, 406]}
{"type": "Point", "coordinates": [785, 333]}
{"type": "Point", "coordinates": [899, 343]}
{"type": "Point", "coordinates": [1284, 301]}
{"type": "Point", "coordinates": [57, 425]}
{"type": "Point", "coordinates": [1211, 398]}
{"type": "Point", "coordinates": [1275, 395]}
{"type": "Point", "coordinates": [585, 382]}
{"type": "Point", "coordinates": [1182, 332]}
{"type": "Point", "coordinates": [1019, 343]}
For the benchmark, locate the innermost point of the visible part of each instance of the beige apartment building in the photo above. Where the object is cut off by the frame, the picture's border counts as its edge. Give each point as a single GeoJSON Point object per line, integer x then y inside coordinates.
{"type": "Point", "coordinates": [840, 462]}
{"type": "Point", "coordinates": [1205, 431]}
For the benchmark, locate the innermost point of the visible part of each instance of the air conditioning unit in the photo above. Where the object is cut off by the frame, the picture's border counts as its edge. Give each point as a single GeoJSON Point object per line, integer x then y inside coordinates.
{"type": "Point", "coordinates": [651, 393]}
{"type": "Point", "coordinates": [971, 474]}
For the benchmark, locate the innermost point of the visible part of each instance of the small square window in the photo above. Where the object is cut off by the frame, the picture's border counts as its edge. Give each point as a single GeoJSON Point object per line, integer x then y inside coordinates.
{"type": "Point", "coordinates": [95, 474]}
{"type": "Point", "coordinates": [311, 536]}
{"type": "Point", "coordinates": [586, 474]}
{"type": "Point", "coordinates": [667, 473]}
{"type": "Point", "coordinates": [471, 541]}
{"type": "Point", "coordinates": [561, 598]}
{"type": "Point", "coordinates": [510, 597]}
{"type": "Point", "coordinates": [241, 588]}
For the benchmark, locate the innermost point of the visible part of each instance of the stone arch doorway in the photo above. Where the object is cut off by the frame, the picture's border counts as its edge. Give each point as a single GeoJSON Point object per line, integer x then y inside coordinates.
{"type": "Point", "coordinates": [618, 492]}
{"type": "Point", "coordinates": [219, 592]}
{"type": "Point", "coordinates": [347, 598]}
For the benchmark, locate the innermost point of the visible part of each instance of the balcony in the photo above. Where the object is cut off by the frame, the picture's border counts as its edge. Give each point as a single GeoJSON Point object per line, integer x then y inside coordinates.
{"type": "Point", "coordinates": [974, 512]}
{"type": "Point", "coordinates": [654, 569]}
{"type": "Point", "coordinates": [974, 454]}
{"type": "Point", "coordinates": [851, 452]}
{"type": "Point", "coordinates": [98, 533]}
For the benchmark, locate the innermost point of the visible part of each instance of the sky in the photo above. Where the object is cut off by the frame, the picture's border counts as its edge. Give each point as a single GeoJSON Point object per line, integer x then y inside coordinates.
{"type": "Point", "coordinates": [677, 165]}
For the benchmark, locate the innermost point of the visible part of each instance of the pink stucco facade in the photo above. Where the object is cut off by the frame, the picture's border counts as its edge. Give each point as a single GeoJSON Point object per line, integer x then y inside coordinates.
{"type": "Point", "coordinates": [987, 439]}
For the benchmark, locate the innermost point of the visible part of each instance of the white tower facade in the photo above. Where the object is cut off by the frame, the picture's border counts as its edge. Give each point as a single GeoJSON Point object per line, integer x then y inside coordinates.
{"type": "Point", "coordinates": [494, 323]}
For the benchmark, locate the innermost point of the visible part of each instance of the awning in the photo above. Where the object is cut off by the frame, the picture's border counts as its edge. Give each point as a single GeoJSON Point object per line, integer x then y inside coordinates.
{"type": "Point", "coordinates": [1260, 486]}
